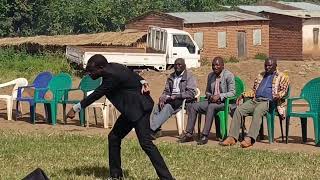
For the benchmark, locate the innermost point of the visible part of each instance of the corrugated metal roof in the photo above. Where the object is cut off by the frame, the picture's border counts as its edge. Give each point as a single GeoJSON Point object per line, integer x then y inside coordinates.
{"type": "Point", "coordinates": [217, 16]}
{"type": "Point", "coordinates": [302, 5]}
{"type": "Point", "coordinates": [258, 9]}
{"type": "Point", "coordinates": [293, 13]}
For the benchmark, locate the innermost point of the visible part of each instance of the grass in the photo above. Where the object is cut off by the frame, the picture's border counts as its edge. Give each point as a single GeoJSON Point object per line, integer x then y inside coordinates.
{"type": "Point", "coordinates": [66, 156]}
{"type": "Point", "coordinates": [21, 64]}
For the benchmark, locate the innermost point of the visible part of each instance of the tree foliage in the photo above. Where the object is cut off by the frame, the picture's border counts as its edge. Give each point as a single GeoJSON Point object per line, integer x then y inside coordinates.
{"type": "Point", "coordinates": [52, 17]}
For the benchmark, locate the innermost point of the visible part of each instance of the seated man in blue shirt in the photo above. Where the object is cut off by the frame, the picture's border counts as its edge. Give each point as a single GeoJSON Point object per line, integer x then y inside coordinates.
{"type": "Point", "coordinates": [269, 88]}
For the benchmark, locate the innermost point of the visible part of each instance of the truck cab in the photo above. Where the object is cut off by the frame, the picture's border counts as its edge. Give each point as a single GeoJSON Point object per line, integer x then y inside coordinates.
{"type": "Point", "coordinates": [176, 44]}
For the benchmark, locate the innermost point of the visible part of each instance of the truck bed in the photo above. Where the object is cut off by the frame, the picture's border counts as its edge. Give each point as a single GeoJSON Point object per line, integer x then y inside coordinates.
{"type": "Point", "coordinates": [84, 49]}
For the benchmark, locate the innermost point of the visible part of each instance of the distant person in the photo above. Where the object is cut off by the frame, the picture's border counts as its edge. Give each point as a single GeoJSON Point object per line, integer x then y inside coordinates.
{"type": "Point", "coordinates": [268, 90]}
{"type": "Point", "coordinates": [220, 85]}
{"type": "Point", "coordinates": [128, 92]}
{"type": "Point", "coordinates": [180, 85]}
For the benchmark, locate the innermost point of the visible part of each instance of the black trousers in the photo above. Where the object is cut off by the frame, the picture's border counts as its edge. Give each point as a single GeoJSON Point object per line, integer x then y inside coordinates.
{"type": "Point", "coordinates": [175, 104]}
{"type": "Point", "coordinates": [142, 128]}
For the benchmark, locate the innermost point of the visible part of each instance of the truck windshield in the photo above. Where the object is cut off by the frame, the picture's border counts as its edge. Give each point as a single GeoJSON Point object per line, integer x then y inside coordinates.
{"type": "Point", "coordinates": [184, 41]}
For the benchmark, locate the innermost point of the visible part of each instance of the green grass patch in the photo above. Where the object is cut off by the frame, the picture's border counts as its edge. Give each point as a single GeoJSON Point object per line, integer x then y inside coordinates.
{"type": "Point", "coordinates": [65, 156]}
{"type": "Point", "coordinates": [21, 64]}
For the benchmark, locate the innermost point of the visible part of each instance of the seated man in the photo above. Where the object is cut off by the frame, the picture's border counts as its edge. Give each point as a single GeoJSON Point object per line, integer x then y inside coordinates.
{"type": "Point", "coordinates": [268, 90]}
{"type": "Point", "coordinates": [180, 85]}
{"type": "Point", "coordinates": [220, 85]}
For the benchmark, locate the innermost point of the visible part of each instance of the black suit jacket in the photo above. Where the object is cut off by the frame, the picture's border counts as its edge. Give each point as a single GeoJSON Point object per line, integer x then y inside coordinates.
{"type": "Point", "coordinates": [123, 88]}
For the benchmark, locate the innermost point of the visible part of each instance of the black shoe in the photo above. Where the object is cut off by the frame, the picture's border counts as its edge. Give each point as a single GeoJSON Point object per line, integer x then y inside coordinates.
{"type": "Point", "coordinates": [156, 134]}
{"type": "Point", "coordinates": [203, 140]}
{"type": "Point", "coordinates": [185, 138]}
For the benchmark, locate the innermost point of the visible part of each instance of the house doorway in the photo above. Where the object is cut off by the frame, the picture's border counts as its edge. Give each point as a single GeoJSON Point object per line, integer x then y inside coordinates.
{"type": "Point", "coordinates": [242, 44]}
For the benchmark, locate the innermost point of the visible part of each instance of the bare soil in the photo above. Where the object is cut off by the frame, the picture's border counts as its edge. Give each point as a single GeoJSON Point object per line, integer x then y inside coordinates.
{"type": "Point", "coordinates": [300, 72]}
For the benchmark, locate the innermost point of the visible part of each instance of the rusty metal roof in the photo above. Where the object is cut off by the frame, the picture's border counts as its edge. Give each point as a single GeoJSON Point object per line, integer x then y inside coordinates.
{"type": "Point", "coordinates": [214, 17]}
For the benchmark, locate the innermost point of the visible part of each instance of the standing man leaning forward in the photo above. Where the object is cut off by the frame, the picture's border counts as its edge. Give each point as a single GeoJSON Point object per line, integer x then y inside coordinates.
{"type": "Point", "coordinates": [220, 85]}
{"type": "Point", "coordinates": [180, 85]}
{"type": "Point", "coordinates": [268, 90]}
{"type": "Point", "coordinates": [127, 91]}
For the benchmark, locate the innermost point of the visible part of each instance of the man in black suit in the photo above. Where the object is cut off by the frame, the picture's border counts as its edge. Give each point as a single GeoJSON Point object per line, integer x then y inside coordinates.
{"type": "Point", "coordinates": [128, 92]}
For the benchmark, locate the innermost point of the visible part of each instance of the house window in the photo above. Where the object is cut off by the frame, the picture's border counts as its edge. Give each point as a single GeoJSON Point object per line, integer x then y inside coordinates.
{"type": "Point", "coordinates": [222, 39]}
{"type": "Point", "coordinates": [198, 38]}
{"type": "Point", "coordinates": [315, 36]}
{"type": "Point", "coordinates": [257, 37]}
{"type": "Point", "coordinates": [184, 41]}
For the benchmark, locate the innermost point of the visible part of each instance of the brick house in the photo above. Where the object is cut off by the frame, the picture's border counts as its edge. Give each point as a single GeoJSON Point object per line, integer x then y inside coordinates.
{"type": "Point", "coordinates": [299, 24]}
{"type": "Point", "coordinates": [224, 33]}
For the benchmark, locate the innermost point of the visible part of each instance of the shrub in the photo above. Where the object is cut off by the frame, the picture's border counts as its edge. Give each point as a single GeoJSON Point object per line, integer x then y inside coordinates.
{"type": "Point", "coordinates": [16, 64]}
{"type": "Point", "coordinates": [231, 59]}
{"type": "Point", "coordinates": [261, 56]}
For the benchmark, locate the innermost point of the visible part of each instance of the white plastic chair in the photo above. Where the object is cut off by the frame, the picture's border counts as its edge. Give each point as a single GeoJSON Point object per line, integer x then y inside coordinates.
{"type": "Point", "coordinates": [180, 115]}
{"type": "Point", "coordinates": [10, 98]}
{"type": "Point", "coordinates": [106, 108]}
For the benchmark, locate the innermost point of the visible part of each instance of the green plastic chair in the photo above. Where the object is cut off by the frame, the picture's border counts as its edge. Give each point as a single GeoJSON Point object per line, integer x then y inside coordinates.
{"type": "Point", "coordinates": [309, 93]}
{"type": "Point", "coordinates": [270, 120]}
{"type": "Point", "coordinates": [223, 115]}
{"type": "Point", "coordinates": [86, 85]}
{"type": "Point", "coordinates": [58, 85]}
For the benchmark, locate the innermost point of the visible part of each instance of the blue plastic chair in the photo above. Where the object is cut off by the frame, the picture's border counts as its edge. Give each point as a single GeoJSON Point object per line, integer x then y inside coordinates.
{"type": "Point", "coordinates": [41, 81]}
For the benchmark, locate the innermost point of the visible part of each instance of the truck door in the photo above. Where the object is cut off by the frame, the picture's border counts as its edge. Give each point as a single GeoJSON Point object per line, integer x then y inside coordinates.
{"type": "Point", "coordinates": [184, 47]}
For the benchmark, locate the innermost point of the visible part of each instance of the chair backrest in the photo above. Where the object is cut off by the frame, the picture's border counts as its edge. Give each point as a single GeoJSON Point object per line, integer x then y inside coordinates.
{"type": "Point", "coordinates": [310, 92]}
{"type": "Point", "coordinates": [240, 87]}
{"type": "Point", "coordinates": [198, 93]}
{"type": "Point", "coordinates": [88, 84]}
{"type": "Point", "coordinates": [60, 81]}
{"type": "Point", "coordinates": [18, 83]}
{"type": "Point", "coordinates": [42, 81]}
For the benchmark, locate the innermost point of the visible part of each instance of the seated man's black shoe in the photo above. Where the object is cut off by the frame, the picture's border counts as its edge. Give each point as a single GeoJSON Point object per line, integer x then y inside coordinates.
{"type": "Point", "coordinates": [203, 140]}
{"type": "Point", "coordinates": [185, 138]}
{"type": "Point", "coordinates": [156, 134]}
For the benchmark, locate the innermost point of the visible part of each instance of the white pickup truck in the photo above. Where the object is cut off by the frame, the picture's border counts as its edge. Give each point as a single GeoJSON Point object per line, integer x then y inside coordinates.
{"type": "Point", "coordinates": [163, 47]}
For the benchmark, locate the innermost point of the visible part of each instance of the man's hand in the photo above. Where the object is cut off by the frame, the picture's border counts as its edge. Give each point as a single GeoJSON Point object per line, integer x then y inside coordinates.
{"type": "Point", "coordinates": [71, 114]}
{"type": "Point", "coordinates": [173, 97]}
{"type": "Point", "coordinates": [276, 97]}
{"type": "Point", "coordinates": [238, 100]}
{"type": "Point", "coordinates": [162, 101]}
{"type": "Point", "coordinates": [145, 88]}
{"type": "Point", "coordinates": [215, 98]}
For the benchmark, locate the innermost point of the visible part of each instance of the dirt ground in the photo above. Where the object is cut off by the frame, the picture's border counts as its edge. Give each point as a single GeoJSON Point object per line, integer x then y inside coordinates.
{"type": "Point", "coordinates": [299, 73]}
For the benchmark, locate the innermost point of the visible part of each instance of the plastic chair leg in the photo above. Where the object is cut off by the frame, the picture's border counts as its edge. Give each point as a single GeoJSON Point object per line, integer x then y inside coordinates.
{"type": "Point", "coordinates": [179, 121]}
{"type": "Point", "coordinates": [64, 113]}
{"type": "Point", "coordinates": [270, 123]}
{"type": "Point", "coordinates": [287, 128]}
{"type": "Point", "coordinates": [304, 129]}
{"type": "Point", "coordinates": [48, 113]}
{"type": "Point", "coordinates": [223, 129]}
{"type": "Point", "coordinates": [281, 128]}
{"type": "Point", "coordinates": [17, 110]}
{"type": "Point", "coordinates": [95, 115]}
{"type": "Point", "coordinates": [105, 115]}
{"type": "Point", "coordinates": [82, 116]}
{"type": "Point", "coordinates": [53, 108]}
{"type": "Point", "coordinates": [9, 109]}
{"type": "Point", "coordinates": [316, 130]}
{"type": "Point", "coordinates": [33, 113]}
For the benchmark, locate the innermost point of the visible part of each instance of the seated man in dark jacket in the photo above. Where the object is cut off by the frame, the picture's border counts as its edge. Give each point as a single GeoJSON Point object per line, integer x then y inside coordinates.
{"type": "Point", "coordinates": [180, 85]}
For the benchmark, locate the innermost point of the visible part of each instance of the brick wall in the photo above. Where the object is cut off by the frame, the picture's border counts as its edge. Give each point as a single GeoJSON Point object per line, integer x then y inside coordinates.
{"type": "Point", "coordinates": [210, 36]}
{"type": "Point", "coordinates": [155, 19]}
{"type": "Point", "coordinates": [285, 37]}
